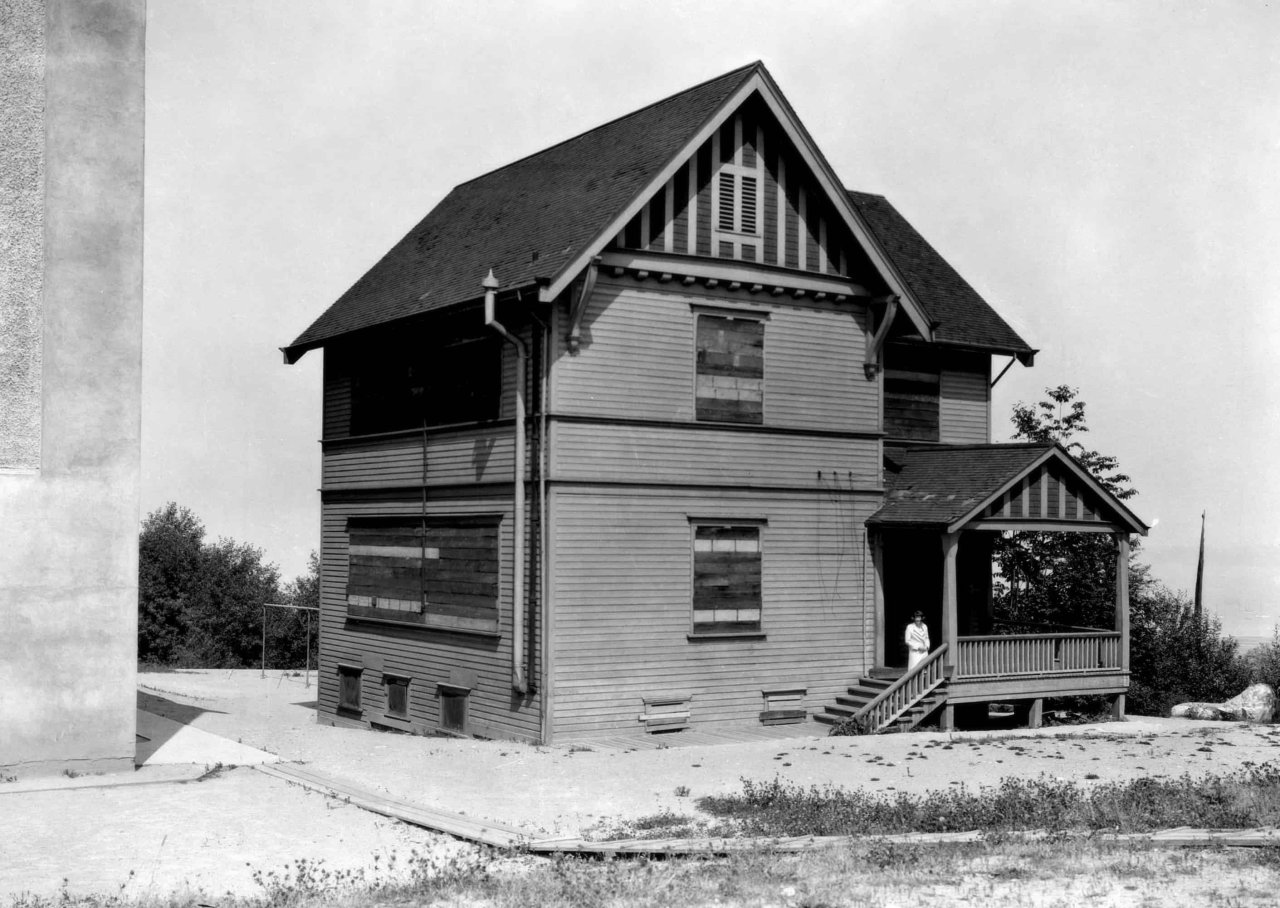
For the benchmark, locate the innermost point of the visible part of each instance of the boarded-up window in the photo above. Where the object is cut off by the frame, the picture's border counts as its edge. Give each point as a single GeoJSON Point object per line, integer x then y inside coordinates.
{"type": "Point", "coordinates": [397, 696]}
{"type": "Point", "coordinates": [730, 369]}
{"type": "Point", "coordinates": [349, 688]}
{"type": "Point", "coordinates": [726, 578]}
{"type": "Point", "coordinates": [401, 383]}
{"type": "Point", "coordinates": [453, 708]}
{"type": "Point", "coordinates": [911, 394]}
{"type": "Point", "coordinates": [413, 570]}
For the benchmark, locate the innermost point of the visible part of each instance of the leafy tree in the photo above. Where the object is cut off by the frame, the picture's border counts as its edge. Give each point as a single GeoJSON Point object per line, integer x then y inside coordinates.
{"type": "Point", "coordinates": [200, 604]}
{"type": "Point", "coordinates": [1177, 657]}
{"type": "Point", "coordinates": [169, 561]}
{"type": "Point", "coordinates": [1062, 578]}
{"type": "Point", "coordinates": [224, 611]}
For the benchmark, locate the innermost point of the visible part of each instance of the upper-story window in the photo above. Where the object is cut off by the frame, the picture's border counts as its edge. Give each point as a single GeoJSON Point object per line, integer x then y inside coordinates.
{"type": "Point", "coordinates": [911, 394]}
{"type": "Point", "coordinates": [403, 386]}
{"type": "Point", "coordinates": [730, 371]}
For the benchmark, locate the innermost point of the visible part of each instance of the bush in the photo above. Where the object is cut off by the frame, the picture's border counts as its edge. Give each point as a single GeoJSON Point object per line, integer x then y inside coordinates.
{"type": "Point", "coordinates": [1176, 657]}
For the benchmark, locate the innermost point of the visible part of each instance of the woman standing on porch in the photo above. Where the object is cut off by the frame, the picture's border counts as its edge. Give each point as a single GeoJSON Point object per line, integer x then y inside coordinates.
{"type": "Point", "coordinates": [917, 640]}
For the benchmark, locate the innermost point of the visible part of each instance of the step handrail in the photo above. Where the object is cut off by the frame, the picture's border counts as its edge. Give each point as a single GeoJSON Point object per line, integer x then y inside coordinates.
{"type": "Point", "coordinates": [930, 671]}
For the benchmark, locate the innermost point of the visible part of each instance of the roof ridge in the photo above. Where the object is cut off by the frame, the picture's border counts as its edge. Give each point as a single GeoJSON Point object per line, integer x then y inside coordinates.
{"type": "Point", "coordinates": [627, 116]}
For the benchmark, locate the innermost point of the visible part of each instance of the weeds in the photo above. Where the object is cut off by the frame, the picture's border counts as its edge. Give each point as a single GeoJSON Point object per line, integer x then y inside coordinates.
{"type": "Point", "coordinates": [1248, 798]}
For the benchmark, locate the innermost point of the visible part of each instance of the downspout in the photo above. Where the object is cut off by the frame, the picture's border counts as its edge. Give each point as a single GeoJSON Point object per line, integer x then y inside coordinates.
{"type": "Point", "coordinates": [518, 681]}
{"type": "Point", "coordinates": [544, 689]}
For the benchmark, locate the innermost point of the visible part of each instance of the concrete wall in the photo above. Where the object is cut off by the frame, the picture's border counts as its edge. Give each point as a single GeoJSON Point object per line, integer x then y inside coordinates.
{"type": "Point", "coordinates": [71, 144]}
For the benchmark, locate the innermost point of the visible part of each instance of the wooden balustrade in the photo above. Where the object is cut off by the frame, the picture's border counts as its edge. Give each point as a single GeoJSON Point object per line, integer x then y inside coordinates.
{"type": "Point", "coordinates": [904, 693]}
{"type": "Point", "coordinates": [1018, 654]}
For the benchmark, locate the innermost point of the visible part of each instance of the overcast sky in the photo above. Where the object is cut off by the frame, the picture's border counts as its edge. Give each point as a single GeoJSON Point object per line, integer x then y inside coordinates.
{"type": "Point", "coordinates": [1106, 174]}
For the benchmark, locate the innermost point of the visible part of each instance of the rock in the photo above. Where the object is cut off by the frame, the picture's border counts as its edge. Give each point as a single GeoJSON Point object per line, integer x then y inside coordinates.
{"type": "Point", "coordinates": [1256, 703]}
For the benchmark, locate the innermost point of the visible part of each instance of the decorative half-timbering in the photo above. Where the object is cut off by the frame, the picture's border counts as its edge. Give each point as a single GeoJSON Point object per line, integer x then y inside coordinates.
{"type": "Point", "coordinates": [651, 430]}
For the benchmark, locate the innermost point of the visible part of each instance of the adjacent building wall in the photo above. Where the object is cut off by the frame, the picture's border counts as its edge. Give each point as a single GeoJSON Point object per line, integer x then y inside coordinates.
{"type": "Point", "coordinates": [71, 153]}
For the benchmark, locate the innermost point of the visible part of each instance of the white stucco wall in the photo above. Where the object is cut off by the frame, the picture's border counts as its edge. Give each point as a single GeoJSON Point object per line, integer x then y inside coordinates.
{"type": "Point", "coordinates": [71, 153]}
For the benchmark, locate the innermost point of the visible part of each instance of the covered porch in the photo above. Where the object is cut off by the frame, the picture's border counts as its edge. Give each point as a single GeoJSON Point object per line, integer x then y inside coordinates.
{"type": "Point", "coordinates": [932, 548]}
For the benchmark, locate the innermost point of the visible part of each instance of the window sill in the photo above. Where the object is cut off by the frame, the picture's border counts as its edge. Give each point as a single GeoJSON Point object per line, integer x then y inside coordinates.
{"type": "Point", "coordinates": [473, 626]}
{"type": "Point", "coordinates": [727, 635]}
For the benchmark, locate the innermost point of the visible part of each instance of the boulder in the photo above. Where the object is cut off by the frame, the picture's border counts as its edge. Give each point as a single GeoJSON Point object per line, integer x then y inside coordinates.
{"type": "Point", "coordinates": [1256, 703]}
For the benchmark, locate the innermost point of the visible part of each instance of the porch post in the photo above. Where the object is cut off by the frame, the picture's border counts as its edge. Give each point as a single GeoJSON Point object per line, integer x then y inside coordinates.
{"type": "Point", "coordinates": [1122, 612]}
{"type": "Point", "coordinates": [877, 583]}
{"type": "Point", "coordinates": [950, 545]}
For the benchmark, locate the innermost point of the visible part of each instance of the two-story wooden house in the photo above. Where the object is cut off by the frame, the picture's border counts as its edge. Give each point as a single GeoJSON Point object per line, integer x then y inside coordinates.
{"type": "Point", "coordinates": [662, 426]}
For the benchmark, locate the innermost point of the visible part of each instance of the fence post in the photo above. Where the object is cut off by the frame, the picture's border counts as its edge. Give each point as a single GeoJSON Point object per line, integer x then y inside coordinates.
{"type": "Point", "coordinates": [264, 642]}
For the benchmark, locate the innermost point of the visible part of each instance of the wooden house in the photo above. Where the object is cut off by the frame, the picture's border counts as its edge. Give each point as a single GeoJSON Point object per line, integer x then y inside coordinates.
{"type": "Point", "coordinates": [662, 427]}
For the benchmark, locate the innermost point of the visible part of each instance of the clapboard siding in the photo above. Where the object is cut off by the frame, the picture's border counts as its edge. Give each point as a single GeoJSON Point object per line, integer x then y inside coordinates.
{"type": "Point", "coordinates": [637, 359]}
{"type": "Point", "coordinates": [964, 404]}
{"type": "Point", "coordinates": [451, 458]}
{"type": "Point", "coordinates": [426, 656]}
{"type": "Point", "coordinates": [623, 591]}
{"type": "Point", "coordinates": [673, 454]}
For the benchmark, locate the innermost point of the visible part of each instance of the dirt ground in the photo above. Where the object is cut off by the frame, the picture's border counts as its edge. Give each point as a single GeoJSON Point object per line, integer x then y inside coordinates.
{"type": "Point", "coordinates": [213, 834]}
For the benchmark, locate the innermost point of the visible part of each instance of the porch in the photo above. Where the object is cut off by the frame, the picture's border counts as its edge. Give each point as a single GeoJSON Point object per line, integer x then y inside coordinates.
{"type": "Point", "coordinates": [932, 551]}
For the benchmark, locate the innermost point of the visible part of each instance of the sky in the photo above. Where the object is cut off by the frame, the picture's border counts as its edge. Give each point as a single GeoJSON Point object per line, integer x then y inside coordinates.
{"type": "Point", "coordinates": [1106, 175]}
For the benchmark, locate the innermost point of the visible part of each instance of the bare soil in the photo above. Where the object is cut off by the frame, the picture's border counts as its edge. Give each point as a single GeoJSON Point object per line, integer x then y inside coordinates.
{"type": "Point", "coordinates": [213, 834]}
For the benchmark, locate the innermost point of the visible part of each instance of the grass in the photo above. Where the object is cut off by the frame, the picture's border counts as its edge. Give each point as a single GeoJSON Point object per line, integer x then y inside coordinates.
{"type": "Point", "coordinates": [1248, 798]}
{"type": "Point", "coordinates": [874, 874]}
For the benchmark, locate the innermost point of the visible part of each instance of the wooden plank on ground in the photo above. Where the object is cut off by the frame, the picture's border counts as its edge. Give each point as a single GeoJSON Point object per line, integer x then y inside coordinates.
{"type": "Point", "coordinates": [484, 832]}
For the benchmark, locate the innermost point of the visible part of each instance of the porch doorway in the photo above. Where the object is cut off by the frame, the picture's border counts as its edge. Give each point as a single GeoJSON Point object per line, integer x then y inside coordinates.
{"type": "Point", "coordinates": [912, 566]}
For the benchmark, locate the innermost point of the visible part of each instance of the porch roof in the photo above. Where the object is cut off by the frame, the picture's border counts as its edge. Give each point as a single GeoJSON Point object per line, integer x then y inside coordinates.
{"type": "Point", "coordinates": [998, 487]}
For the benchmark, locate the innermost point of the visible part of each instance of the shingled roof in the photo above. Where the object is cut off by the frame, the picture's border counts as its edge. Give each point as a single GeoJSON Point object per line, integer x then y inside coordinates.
{"type": "Point", "coordinates": [959, 314]}
{"type": "Point", "coordinates": [940, 485]}
{"type": "Point", "coordinates": [529, 220]}
{"type": "Point", "coordinates": [525, 220]}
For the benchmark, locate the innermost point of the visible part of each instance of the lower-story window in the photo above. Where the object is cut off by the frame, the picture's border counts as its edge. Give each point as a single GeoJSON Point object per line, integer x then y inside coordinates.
{"type": "Point", "coordinates": [726, 578]}
{"type": "Point", "coordinates": [349, 688]}
{"type": "Point", "coordinates": [453, 708]}
{"type": "Point", "coordinates": [397, 696]}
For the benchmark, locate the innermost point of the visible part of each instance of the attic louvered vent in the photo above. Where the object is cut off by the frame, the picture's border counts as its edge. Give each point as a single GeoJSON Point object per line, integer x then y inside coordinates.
{"type": "Point", "coordinates": [748, 212]}
{"type": "Point", "coordinates": [727, 206]}
{"type": "Point", "coordinates": [737, 213]}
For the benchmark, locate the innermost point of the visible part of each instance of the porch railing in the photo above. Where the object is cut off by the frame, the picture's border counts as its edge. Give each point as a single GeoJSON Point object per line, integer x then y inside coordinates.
{"type": "Point", "coordinates": [904, 693]}
{"type": "Point", "coordinates": [1041, 654]}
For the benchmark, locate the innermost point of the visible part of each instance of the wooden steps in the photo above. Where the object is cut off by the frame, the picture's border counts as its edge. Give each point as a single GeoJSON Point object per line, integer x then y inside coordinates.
{"type": "Point", "coordinates": [866, 689]}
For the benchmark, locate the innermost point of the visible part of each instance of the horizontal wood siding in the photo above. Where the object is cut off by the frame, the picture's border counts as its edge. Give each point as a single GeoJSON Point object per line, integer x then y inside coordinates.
{"type": "Point", "coordinates": [638, 358]}
{"type": "Point", "coordinates": [452, 458]}
{"type": "Point", "coordinates": [623, 588]}
{"type": "Point", "coordinates": [428, 657]}
{"type": "Point", "coordinates": [965, 400]}
{"type": "Point", "coordinates": [650, 454]}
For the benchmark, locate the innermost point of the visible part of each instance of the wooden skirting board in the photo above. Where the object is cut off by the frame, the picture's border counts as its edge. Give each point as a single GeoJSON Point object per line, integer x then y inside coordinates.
{"type": "Point", "coordinates": [500, 835]}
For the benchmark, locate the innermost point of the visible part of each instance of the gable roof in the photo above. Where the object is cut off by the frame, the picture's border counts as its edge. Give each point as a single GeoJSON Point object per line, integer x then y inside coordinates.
{"type": "Point", "coordinates": [949, 486]}
{"type": "Point", "coordinates": [524, 220]}
{"type": "Point", "coordinates": [960, 315]}
{"type": "Point", "coordinates": [539, 220]}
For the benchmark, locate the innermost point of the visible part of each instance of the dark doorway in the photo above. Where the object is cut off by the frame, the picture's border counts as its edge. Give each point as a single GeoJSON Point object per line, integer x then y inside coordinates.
{"type": "Point", "coordinates": [912, 563]}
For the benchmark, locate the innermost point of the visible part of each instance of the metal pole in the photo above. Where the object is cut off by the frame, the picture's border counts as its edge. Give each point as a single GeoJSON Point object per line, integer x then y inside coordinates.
{"type": "Point", "coordinates": [264, 642]}
{"type": "Point", "coordinates": [308, 657]}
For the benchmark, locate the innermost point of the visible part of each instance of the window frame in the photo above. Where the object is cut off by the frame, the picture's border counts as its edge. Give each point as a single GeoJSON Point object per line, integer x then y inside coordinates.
{"type": "Point", "coordinates": [713, 630]}
{"type": "Point", "coordinates": [390, 680]}
{"type": "Point", "coordinates": [428, 608]}
{"type": "Point", "coordinates": [345, 672]}
{"type": "Point", "coordinates": [730, 315]}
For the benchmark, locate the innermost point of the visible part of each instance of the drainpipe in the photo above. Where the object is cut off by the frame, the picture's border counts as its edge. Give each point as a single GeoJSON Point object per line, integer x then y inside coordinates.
{"type": "Point", "coordinates": [518, 681]}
